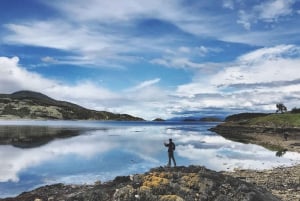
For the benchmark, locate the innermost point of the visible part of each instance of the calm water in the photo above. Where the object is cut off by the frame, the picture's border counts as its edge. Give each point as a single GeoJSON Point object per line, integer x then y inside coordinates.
{"type": "Point", "coordinates": [104, 150]}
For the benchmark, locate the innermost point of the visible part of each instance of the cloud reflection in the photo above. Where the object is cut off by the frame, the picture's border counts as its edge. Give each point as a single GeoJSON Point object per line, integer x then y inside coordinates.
{"type": "Point", "coordinates": [102, 154]}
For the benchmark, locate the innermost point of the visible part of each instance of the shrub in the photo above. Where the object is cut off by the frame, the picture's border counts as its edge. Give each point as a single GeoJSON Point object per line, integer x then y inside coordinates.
{"type": "Point", "coordinates": [295, 110]}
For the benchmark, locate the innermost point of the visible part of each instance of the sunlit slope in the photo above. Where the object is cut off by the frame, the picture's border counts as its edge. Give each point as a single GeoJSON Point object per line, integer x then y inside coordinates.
{"type": "Point", "coordinates": [34, 105]}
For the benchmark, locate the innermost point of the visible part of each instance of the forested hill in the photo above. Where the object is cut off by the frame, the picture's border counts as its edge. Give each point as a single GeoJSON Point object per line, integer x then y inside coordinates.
{"type": "Point", "coordinates": [34, 105]}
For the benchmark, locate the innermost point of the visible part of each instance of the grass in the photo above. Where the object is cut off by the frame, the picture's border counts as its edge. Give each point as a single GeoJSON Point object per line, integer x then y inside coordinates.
{"type": "Point", "coordinates": [279, 120]}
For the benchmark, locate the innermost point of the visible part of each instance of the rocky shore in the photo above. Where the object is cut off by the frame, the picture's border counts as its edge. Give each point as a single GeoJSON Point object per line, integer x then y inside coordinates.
{"type": "Point", "coordinates": [284, 182]}
{"type": "Point", "coordinates": [274, 134]}
{"type": "Point", "coordinates": [159, 184]}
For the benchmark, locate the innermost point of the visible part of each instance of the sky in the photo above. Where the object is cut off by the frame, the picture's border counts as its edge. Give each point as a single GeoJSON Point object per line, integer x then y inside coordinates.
{"type": "Point", "coordinates": [154, 59]}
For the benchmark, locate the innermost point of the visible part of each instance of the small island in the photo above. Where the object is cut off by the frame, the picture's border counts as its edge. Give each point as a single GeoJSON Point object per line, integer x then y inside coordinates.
{"type": "Point", "coordinates": [158, 119]}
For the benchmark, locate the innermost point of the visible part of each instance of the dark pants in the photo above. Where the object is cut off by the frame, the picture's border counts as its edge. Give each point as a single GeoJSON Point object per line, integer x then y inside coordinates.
{"type": "Point", "coordinates": [171, 156]}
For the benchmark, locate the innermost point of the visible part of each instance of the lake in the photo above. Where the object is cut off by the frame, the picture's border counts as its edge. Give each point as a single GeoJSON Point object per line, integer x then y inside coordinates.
{"type": "Point", "coordinates": [103, 150]}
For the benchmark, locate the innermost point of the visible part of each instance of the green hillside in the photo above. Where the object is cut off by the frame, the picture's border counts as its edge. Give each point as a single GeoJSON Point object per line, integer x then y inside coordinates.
{"type": "Point", "coordinates": [265, 119]}
{"type": "Point", "coordinates": [34, 105]}
{"type": "Point", "coordinates": [280, 120]}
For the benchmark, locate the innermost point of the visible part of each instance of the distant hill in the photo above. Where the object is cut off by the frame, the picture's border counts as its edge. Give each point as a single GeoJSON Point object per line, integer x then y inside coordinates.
{"type": "Point", "coordinates": [244, 116]}
{"type": "Point", "coordinates": [34, 105]}
{"type": "Point", "coordinates": [210, 119]}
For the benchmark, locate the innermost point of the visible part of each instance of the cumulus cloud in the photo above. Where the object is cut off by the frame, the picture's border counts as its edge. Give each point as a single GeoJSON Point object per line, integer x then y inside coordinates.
{"type": "Point", "coordinates": [263, 65]}
{"type": "Point", "coordinates": [144, 100]}
{"type": "Point", "coordinates": [256, 80]}
{"type": "Point", "coordinates": [12, 77]}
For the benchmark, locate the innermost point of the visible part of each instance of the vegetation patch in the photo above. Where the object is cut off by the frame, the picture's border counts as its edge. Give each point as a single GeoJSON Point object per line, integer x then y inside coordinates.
{"type": "Point", "coordinates": [277, 120]}
{"type": "Point", "coordinates": [153, 181]}
{"type": "Point", "coordinates": [170, 198]}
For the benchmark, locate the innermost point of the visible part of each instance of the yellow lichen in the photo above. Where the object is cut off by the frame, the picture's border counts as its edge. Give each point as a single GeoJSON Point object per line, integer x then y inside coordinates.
{"type": "Point", "coordinates": [191, 180]}
{"type": "Point", "coordinates": [145, 188]}
{"type": "Point", "coordinates": [154, 181]}
{"type": "Point", "coordinates": [170, 198]}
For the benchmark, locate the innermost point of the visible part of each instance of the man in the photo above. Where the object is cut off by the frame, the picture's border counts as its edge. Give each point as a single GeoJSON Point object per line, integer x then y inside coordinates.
{"type": "Point", "coordinates": [171, 149]}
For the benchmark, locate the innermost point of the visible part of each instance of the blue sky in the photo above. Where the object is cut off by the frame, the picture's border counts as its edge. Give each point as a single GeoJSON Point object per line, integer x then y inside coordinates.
{"type": "Point", "coordinates": [154, 58]}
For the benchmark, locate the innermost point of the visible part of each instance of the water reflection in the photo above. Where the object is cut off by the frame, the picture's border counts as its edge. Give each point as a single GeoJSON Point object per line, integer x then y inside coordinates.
{"type": "Point", "coordinates": [103, 151]}
{"type": "Point", "coordinates": [33, 136]}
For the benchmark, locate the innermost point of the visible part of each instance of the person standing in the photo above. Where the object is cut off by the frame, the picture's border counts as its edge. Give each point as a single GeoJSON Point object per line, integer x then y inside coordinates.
{"type": "Point", "coordinates": [171, 149]}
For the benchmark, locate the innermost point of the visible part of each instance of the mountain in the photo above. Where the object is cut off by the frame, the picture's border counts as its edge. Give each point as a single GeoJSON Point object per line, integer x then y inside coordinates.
{"type": "Point", "coordinates": [202, 118]}
{"type": "Point", "coordinates": [34, 105]}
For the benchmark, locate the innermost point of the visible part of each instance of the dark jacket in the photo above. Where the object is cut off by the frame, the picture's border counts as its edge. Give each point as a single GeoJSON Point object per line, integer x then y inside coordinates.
{"type": "Point", "coordinates": [171, 146]}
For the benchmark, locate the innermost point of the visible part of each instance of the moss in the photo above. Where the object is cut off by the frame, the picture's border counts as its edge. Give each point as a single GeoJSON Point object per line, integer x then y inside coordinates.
{"type": "Point", "coordinates": [191, 180]}
{"type": "Point", "coordinates": [170, 198]}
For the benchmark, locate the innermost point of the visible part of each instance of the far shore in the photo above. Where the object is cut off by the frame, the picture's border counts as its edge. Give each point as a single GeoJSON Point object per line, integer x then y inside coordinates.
{"type": "Point", "coordinates": [266, 137]}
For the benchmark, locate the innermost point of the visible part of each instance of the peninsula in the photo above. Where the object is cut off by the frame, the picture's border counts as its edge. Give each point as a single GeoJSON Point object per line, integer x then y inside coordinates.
{"type": "Point", "coordinates": [34, 105]}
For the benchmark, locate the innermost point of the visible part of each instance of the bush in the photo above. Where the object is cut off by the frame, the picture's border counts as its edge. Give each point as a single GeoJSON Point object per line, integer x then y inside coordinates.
{"type": "Point", "coordinates": [295, 110]}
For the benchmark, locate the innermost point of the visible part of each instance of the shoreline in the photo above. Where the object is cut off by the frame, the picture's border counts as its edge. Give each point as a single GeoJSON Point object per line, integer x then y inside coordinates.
{"type": "Point", "coordinates": [270, 138]}
{"type": "Point", "coordinates": [283, 182]}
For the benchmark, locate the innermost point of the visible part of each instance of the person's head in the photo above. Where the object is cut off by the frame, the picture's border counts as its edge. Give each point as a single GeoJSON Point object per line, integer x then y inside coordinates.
{"type": "Point", "coordinates": [170, 140]}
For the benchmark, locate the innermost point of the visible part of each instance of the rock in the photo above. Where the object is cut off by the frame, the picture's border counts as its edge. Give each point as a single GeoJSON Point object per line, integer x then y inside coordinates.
{"type": "Point", "coordinates": [283, 182]}
{"type": "Point", "coordinates": [159, 184]}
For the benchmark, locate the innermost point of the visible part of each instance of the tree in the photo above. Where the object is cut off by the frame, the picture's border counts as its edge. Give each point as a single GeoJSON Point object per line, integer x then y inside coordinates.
{"type": "Point", "coordinates": [280, 108]}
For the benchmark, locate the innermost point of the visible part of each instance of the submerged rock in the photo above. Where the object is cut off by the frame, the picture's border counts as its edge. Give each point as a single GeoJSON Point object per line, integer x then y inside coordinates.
{"type": "Point", "coordinates": [159, 184]}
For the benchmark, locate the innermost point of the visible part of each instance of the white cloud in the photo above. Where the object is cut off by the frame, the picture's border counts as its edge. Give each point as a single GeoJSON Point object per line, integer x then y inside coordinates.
{"type": "Point", "coordinates": [91, 47]}
{"type": "Point", "coordinates": [263, 66]}
{"type": "Point", "coordinates": [270, 53]}
{"type": "Point", "coordinates": [228, 4]}
{"type": "Point", "coordinates": [256, 80]}
{"type": "Point", "coordinates": [12, 77]}
{"type": "Point", "coordinates": [245, 19]}
{"type": "Point", "coordinates": [115, 11]}
{"type": "Point", "coordinates": [96, 43]}
{"type": "Point", "coordinates": [268, 11]}
{"type": "Point", "coordinates": [182, 57]}
{"type": "Point", "coordinates": [273, 9]}
{"type": "Point", "coordinates": [176, 62]}
{"type": "Point", "coordinates": [144, 84]}
{"type": "Point", "coordinates": [144, 100]}
{"type": "Point", "coordinates": [49, 59]}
